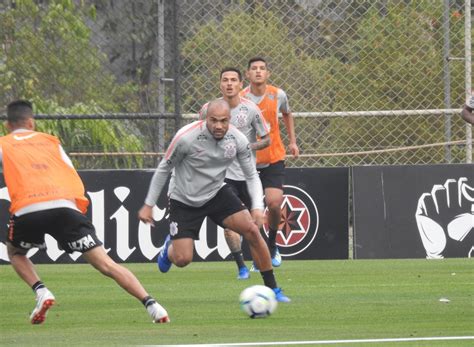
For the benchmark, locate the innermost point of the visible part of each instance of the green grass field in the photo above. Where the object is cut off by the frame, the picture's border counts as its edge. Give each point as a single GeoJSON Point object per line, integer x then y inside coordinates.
{"type": "Point", "coordinates": [332, 300]}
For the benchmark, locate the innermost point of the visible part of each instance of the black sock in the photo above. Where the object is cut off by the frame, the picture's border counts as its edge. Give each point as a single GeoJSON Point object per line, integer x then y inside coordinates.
{"type": "Point", "coordinates": [271, 242]}
{"type": "Point", "coordinates": [148, 300]}
{"type": "Point", "coordinates": [38, 285]}
{"type": "Point", "coordinates": [269, 278]}
{"type": "Point", "coordinates": [239, 258]}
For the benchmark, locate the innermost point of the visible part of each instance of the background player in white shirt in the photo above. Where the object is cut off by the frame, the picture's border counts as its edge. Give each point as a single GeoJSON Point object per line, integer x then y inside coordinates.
{"type": "Point", "coordinates": [247, 117]}
{"type": "Point", "coordinates": [466, 112]}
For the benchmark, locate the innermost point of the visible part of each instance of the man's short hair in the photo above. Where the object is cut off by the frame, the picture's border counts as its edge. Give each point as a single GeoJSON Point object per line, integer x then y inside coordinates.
{"type": "Point", "coordinates": [19, 111]}
{"type": "Point", "coordinates": [254, 59]}
{"type": "Point", "coordinates": [233, 69]}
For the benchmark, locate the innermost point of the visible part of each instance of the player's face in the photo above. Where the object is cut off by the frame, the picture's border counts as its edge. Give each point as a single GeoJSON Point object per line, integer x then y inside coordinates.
{"type": "Point", "coordinates": [230, 84]}
{"type": "Point", "coordinates": [217, 121]}
{"type": "Point", "coordinates": [258, 73]}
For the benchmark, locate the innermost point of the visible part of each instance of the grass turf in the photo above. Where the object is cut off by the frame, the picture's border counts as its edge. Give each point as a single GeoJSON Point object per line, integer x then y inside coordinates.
{"type": "Point", "coordinates": [332, 300]}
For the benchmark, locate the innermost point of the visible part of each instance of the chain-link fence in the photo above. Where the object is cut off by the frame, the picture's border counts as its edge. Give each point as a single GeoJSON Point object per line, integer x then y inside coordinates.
{"type": "Point", "coordinates": [369, 82]}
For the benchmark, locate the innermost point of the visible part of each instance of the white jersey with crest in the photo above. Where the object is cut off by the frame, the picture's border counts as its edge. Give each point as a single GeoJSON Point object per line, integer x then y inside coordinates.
{"type": "Point", "coordinates": [200, 163]}
{"type": "Point", "coordinates": [248, 118]}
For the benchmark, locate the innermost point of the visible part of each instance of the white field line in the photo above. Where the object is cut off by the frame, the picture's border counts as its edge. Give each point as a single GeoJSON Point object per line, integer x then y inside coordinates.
{"type": "Point", "coordinates": [330, 342]}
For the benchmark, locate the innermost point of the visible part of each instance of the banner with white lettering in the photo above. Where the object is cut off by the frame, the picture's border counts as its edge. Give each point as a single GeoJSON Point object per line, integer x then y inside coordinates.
{"type": "Point", "coordinates": [314, 219]}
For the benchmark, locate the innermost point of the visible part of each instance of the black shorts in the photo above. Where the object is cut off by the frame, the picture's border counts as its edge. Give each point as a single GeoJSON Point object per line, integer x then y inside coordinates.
{"type": "Point", "coordinates": [240, 189]}
{"type": "Point", "coordinates": [273, 176]}
{"type": "Point", "coordinates": [186, 221]}
{"type": "Point", "coordinates": [70, 228]}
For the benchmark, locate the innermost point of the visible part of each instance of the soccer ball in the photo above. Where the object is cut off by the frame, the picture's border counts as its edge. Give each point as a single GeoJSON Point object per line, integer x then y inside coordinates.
{"type": "Point", "coordinates": [258, 301]}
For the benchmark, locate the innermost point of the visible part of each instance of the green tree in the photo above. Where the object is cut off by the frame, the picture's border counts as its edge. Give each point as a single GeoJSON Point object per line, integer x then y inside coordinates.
{"type": "Point", "coordinates": [367, 55]}
{"type": "Point", "coordinates": [48, 57]}
{"type": "Point", "coordinates": [396, 63]}
{"type": "Point", "coordinates": [238, 37]}
{"type": "Point", "coordinates": [86, 136]}
{"type": "Point", "coordinates": [48, 53]}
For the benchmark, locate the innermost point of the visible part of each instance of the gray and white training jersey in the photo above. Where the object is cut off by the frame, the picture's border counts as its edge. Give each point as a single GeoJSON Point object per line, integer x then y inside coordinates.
{"type": "Point", "coordinates": [248, 118]}
{"type": "Point", "coordinates": [200, 163]}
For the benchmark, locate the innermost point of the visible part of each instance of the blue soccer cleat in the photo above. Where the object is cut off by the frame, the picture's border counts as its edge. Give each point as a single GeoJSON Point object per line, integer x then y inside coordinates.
{"type": "Point", "coordinates": [244, 273]}
{"type": "Point", "coordinates": [163, 261]}
{"type": "Point", "coordinates": [276, 257]}
{"type": "Point", "coordinates": [280, 297]}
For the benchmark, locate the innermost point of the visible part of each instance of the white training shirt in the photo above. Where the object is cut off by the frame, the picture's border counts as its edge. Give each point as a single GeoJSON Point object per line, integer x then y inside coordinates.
{"type": "Point", "coordinates": [200, 163]}
{"type": "Point", "coordinates": [248, 118]}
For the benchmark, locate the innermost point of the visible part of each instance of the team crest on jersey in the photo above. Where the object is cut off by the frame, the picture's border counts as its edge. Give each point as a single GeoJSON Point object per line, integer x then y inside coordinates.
{"type": "Point", "coordinates": [230, 150]}
{"type": "Point", "coordinates": [201, 137]}
{"type": "Point", "coordinates": [241, 119]}
{"type": "Point", "coordinates": [299, 223]}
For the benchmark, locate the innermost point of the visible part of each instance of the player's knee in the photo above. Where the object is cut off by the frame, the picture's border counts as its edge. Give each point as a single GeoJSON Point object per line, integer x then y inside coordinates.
{"type": "Point", "coordinates": [274, 205]}
{"type": "Point", "coordinates": [181, 260]}
{"type": "Point", "coordinates": [252, 233]}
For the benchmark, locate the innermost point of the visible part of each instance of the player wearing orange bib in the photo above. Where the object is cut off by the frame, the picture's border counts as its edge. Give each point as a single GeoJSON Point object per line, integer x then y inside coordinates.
{"type": "Point", "coordinates": [271, 160]}
{"type": "Point", "coordinates": [47, 196]}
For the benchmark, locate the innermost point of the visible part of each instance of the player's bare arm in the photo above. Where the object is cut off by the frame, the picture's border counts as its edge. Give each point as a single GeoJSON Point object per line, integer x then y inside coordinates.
{"type": "Point", "coordinates": [146, 214]}
{"type": "Point", "coordinates": [290, 128]}
{"type": "Point", "coordinates": [264, 142]}
{"type": "Point", "coordinates": [158, 181]}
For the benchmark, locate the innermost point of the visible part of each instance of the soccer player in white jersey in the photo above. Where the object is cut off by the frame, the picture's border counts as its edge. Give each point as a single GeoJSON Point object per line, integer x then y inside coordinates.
{"type": "Point", "coordinates": [247, 117]}
{"type": "Point", "coordinates": [466, 112]}
{"type": "Point", "coordinates": [200, 154]}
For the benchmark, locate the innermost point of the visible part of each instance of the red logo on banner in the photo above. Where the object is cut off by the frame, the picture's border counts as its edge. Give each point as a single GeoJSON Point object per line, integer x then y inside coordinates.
{"type": "Point", "coordinates": [299, 221]}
